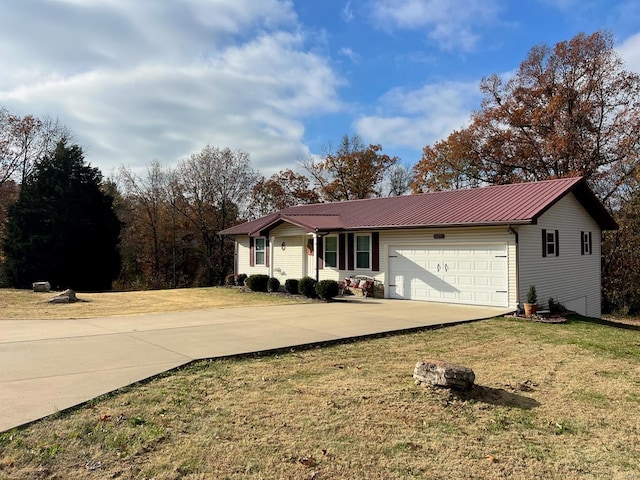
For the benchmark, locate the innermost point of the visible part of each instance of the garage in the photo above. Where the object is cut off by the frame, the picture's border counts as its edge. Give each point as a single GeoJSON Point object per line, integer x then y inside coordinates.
{"type": "Point", "coordinates": [474, 275]}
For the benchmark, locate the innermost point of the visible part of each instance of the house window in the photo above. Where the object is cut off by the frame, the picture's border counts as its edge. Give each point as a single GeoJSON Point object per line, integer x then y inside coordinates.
{"type": "Point", "coordinates": [550, 243]}
{"type": "Point", "coordinates": [331, 251]}
{"type": "Point", "coordinates": [363, 251]}
{"type": "Point", "coordinates": [260, 251]}
{"type": "Point", "coordinates": [585, 240]}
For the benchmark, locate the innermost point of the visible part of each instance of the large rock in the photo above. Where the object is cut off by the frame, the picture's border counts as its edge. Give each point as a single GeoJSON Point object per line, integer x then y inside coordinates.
{"type": "Point", "coordinates": [68, 296]}
{"type": "Point", "coordinates": [41, 286]}
{"type": "Point", "coordinates": [444, 374]}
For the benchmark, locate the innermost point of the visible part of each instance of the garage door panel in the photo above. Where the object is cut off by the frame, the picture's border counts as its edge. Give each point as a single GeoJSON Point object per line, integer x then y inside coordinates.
{"type": "Point", "coordinates": [473, 275]}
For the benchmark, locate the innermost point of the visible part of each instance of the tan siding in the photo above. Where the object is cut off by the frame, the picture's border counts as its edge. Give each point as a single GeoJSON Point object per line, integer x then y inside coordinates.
{"type": "Point", "coordinates": [570, 278]}
{"type": "Point", "coordinates": [453, 236]}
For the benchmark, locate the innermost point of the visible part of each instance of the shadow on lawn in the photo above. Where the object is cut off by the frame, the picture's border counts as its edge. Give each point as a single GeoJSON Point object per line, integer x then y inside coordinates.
{"type": "Point", "coordinates": [497, 396]}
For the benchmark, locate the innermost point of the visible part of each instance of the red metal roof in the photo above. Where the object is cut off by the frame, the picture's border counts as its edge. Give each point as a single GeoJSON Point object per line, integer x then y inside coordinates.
{"type": "Point", "coordinates": [519, 203]}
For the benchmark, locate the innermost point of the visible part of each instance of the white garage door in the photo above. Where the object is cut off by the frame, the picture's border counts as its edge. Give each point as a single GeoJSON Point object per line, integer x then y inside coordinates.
{"type": "Point", "coordinates": [475, 275]}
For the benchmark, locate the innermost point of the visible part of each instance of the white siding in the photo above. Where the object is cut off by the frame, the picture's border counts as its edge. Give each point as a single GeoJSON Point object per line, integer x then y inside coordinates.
{"type": "Point", "coordinates": [472, 236]}
{"type": "Point", "coordinates": [287, 230]}
{"type": "Point", "coordinates": [288, 261]}
{"type": "Point", "coordinates": [570, 278]}
{"type": "Point", "coordinates": [243, 260]}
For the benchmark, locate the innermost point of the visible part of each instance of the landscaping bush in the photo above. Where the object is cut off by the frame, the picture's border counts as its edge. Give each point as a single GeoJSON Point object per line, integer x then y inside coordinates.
{"type": "Point", "coordinates": [307, 287]}
{"type": "Point", "coordinates": [235, 280]}
{"type": "Point", "coordinates": [556, 307]}
{"type": "Point", "coordinates": [291, 286]}
{"type": "Point", "coordinates": [327, 289]}
{"type": "Point", "coordinates": [258, 282]}
{"type": "Point", "coordinates": [273, 284]}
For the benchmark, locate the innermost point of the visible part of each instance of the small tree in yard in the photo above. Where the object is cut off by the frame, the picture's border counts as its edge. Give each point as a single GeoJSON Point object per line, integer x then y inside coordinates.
{"type": "Point", "coordinates": [327, 289]}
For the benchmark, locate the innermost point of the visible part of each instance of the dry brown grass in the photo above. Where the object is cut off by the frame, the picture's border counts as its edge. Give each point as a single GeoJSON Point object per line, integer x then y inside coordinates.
{"type": "Point", "coordinates": [27, 305]}
{"type": "Point", "coordinates": [551, 401]}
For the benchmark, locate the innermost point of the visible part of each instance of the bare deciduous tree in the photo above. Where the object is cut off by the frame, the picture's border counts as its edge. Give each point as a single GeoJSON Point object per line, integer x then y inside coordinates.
{"type": "Point", "coordinates": [216, 187]}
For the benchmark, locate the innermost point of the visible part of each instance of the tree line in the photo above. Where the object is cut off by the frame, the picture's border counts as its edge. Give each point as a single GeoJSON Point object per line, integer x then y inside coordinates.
{"type": "Point", "coordinates": [571, 109]}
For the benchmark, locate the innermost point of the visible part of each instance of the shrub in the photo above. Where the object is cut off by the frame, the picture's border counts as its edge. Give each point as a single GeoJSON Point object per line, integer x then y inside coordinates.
{"type": "Point", "coordinates": [556, 307]}
{"type": "Point", "coordinates": [307, 287]}
{"type": "Point", "coordinates": [291, 286]}
{"type": "Point", "coordinates": [327, 289]}
{"type": "Point", "coordinates": [258, 282]}
{"type": "Point", "coordinates": [273, 285]}
{"type": "Point", "coordinates": [233, 280]}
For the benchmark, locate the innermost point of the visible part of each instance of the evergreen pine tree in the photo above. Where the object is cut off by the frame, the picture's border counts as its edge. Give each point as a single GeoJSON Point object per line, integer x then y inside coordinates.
{"type": "Point", "coordinates": [63, 228]}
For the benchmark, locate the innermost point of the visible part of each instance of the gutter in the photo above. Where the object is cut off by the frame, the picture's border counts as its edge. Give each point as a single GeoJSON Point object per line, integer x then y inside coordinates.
{"type": "Point", "coordinates": [510, 229]}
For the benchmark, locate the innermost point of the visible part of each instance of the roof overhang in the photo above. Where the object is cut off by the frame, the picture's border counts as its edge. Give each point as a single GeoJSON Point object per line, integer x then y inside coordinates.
{"type": "Point", "coordinates": [308, 223]}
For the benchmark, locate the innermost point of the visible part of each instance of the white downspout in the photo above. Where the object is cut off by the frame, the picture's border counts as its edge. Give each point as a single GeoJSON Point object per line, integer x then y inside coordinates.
{"type": "Point", "coordinates": [271, 259]}
{"type": "Point", "coordinates": [315, 257]}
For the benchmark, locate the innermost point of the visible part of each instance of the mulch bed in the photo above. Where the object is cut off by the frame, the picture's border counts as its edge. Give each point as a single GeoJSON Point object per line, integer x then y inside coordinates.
{"type": "Point", "coordinates": [541, 318]}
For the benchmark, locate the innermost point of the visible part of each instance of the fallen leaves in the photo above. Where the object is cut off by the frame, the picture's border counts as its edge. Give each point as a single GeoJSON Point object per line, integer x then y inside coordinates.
{"type": "Point", "coordinates": [308, 462]}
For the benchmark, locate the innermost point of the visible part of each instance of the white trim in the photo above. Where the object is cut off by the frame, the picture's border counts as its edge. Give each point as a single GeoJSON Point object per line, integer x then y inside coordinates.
{"type": "Point", "coordinates": [337, 251]}
{"type": "Point", "coordinates": [355, 246]}
{"type": "Point", "coordinates": [256, 251]}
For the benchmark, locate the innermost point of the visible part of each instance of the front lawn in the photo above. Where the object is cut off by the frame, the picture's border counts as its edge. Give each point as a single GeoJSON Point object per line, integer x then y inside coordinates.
{"type": "Point", "coordinates": [27, 305]}
{"type": "Point", "coordinates": [551, 401]}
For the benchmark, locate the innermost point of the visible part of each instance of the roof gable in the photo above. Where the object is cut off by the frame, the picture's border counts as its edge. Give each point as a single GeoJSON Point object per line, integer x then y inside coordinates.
{"type": "Point", "coordinates": [520, 203]}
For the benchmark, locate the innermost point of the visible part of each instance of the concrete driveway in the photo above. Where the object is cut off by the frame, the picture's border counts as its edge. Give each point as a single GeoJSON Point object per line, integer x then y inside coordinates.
{"type": "Point", "coordinates": [50, 365]}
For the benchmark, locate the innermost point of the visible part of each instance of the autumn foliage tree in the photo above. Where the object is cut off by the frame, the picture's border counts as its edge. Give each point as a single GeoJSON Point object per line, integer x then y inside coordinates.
{"type": "Point", "coordinates": [281, 190]}
{"type": "Point", "coordinates": [353, 171]}
{"type": "Point", "coordinates": [24, 140]}
{"type": "Point", "coordinates": [570, 110]}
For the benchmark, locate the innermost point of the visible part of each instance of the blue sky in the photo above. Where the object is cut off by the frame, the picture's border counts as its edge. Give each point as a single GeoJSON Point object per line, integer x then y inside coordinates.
{"type": "Point", "coordinates": [160, 79]}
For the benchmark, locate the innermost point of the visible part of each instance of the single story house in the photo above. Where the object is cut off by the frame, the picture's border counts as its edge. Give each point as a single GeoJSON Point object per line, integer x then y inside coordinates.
{"type": "Point", "coordinates": [479, 246]}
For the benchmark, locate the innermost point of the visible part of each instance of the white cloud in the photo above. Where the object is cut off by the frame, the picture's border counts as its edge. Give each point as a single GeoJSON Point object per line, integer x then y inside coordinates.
{"type": "Point", "coordinates": [415, 118]}
{"type": "Point", "coordinates": [350, 54]}
{"type": "Point", "coordinates": [142, 80]}
{"type": "Point", "coordinates": [347, 12]}
{"type": "Point", "coordinates": [629, 51]}
{"type": "Point", "coordinates": [452, 25]}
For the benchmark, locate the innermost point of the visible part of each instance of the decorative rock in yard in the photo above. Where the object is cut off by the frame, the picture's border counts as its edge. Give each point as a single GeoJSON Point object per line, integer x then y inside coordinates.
{"type": "Point", "coordinates": [68, 296]}
{"type": "Point", "coordinates": [41, 286]}
{"type": "Point", "coordinates": [443, 374]}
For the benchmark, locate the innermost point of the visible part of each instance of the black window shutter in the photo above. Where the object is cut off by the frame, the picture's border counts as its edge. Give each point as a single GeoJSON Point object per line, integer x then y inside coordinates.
{"type": "Point", "coordinates": [557, 244]}
{"type": "Point", "coordinates": [590, 244]}
{"type": "Point", "coordinates": [252, 256]}
{"type": "Point", "coordinates": [350, 248]}
{"type": "Point", "coordinates": [341, 251]}
{"type": "Point", "coordinates": [544, 242]}
{"type": "Point", "coordinates": [581, 243]}
{"type": "Point", "coordinates": [375, 252]}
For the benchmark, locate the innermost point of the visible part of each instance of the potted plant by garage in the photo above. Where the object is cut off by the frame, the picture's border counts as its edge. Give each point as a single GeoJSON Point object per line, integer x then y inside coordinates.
{"type": "Point", "coordinates": [531, 306]}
